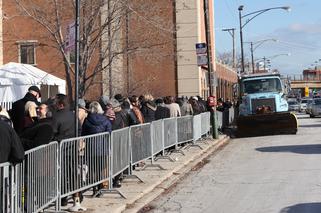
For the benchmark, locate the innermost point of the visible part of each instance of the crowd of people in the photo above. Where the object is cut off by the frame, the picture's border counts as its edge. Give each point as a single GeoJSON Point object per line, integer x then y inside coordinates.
{"type": "Point", "coordinates": [31, 123]}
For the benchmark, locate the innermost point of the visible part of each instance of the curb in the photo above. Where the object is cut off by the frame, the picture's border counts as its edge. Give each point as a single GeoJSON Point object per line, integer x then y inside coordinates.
{"type": "Point", "coordinates": [168, 181]}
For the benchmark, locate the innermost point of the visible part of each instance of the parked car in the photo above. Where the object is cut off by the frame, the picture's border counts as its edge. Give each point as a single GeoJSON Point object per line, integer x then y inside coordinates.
{"type": "Point", "coordinates": [316, 107]}
{"type": "Point", "coordinates": [294, 105]}
{"type": "Point", "coordinates": [309, 106]}
{"type": "Point", "coordinates": [303, 104]}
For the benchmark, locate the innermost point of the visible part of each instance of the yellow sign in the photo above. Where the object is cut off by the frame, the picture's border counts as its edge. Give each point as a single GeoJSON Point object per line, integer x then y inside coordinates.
{"type": "Point", "coordinates": [306, 91]}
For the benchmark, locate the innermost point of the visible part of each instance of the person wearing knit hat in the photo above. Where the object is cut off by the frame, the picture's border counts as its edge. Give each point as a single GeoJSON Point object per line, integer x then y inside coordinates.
{"type": "Point", "coordinates": [103, 101]}
{"type": "Point", "coordinates": [18, 107]}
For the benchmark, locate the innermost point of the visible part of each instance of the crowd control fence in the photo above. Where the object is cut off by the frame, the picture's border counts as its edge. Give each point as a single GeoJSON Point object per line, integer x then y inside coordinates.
{"type": "Point", "coordinates": [84, 163]}
{"type": "Point", "coordinates": [225, 118]}
{"type": "Point", "coordinates": [6, 105]}
{"type": "Point", "coordinates": [6, 188]}
{"type": "Point", "coordinates": [58, 170]}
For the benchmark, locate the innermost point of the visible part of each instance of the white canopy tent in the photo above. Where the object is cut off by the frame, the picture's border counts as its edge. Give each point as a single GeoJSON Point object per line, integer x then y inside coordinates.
{"type": "Point", "coordinates": [16, 78]}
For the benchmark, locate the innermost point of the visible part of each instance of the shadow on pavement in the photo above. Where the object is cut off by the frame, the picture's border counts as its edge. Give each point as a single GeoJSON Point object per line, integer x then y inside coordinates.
{"type": "Point", "coordinates": [303, 208]}
{"type": "Point", "coordinates": [299, 149]}
{"type": "Point", "coordinates": [310, 125]}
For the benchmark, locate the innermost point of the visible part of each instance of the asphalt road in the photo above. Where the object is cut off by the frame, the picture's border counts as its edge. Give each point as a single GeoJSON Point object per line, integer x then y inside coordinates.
{"type": "Point", "coordinates": [255, 175]}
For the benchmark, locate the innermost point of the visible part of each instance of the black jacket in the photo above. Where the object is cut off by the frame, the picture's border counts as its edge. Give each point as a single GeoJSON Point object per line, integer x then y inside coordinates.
{"type": "Point", "coordinates": [148, 110]}
{"type": "Point", "coordinates": [17, 112]}
{"type": "Point", "coordinates": [11, 146]}
{"type": "Point", "coordinates": [38, 134]}
{"type": "Point", "coordinates": [63, 123]}
{"type": "Point", "coordinates": [162, 112]}
{"type": "Point", "coordinates": [121, 120]}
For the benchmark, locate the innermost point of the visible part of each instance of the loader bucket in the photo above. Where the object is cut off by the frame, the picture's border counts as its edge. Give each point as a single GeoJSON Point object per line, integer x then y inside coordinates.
{"type": "Point", "coordinates": [267, 124]}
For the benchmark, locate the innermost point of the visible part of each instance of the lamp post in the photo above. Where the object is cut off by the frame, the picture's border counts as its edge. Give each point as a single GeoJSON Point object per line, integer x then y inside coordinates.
{"type": "Point", "coordinates": [251, 16]}
{"type": "Point", "coordinates": [77, 54]}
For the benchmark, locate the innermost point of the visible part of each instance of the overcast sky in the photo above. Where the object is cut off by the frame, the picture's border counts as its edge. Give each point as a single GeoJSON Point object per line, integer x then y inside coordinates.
{"type": "Point", "coordinates": [298, 32]}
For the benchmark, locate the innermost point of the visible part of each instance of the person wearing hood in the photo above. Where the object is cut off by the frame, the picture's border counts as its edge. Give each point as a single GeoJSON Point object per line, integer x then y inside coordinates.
{"type": "Point", "coordinates": [148, 108]}
{"type": "Point", "coordinates": [96, 122]}
{"type": "Point", "coordinates": [17, 112]}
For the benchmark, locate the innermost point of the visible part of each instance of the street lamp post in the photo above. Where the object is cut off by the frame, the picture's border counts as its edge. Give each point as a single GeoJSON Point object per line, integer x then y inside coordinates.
{"type": "Point", "coordinates": [77, 54]}
{"type": "Point", "coordinates": [251, 16]}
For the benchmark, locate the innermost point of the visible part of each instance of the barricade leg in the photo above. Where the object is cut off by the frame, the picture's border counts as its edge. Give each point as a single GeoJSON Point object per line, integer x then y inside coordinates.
{"type": "Point", "coordinates": [164, 156]}
{"type": "Point", "coordinates": [193, 144]}
{"type": "Point", "coordinates": [152, 165]}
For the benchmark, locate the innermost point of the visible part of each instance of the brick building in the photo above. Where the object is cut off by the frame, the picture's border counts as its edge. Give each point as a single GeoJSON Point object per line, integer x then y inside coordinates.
{"type": "Point", "coordinates": [159, 37]}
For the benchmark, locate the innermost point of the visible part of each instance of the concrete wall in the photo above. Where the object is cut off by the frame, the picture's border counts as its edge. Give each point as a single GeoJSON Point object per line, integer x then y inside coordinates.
{"type": "Point", "coordinates": [187, 26]}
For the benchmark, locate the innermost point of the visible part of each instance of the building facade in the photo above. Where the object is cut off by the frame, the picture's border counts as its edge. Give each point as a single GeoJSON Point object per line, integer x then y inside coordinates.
{"type": "Point", "coordinates": [155, 40]}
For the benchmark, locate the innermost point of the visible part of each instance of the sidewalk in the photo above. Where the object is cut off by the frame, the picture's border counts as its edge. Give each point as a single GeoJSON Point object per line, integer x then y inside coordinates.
{"type": "Point", "coordinates": [156, 181]}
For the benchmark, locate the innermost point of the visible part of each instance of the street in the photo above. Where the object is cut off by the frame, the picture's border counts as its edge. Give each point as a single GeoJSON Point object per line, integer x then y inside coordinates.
{"type": "Point", "coordinates": [255, 175]}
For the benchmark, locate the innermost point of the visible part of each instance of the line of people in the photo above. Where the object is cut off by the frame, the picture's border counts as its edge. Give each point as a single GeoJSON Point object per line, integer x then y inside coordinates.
{"type": "Point", "coordinates": [36, 123]}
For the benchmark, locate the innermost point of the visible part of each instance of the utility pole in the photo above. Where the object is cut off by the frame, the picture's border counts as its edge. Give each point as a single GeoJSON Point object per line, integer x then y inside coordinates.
{"type": "Point", "coordinates": [231, 31]}
{"type": "Point", "coordinates": [252, 55]}
{"type": "Point", "coordinates": [212, 89]}
{"type": "Point", "coordinates": [208, 44]}
{"type": "Point", "coordinates": [264, 61]}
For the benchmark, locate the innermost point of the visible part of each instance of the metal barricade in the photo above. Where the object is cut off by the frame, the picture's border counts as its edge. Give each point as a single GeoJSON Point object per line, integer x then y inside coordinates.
{"type": "Point", "coordinates": [120, 151]}
{"type": "Point", "coordinates": [85, 162]}
{"type": "Point", "coordinates": [197, 127]}
{"type": "Point", "coordinates": [219, 119]}
{"type": "Point", "coordinates": [170, 132]}
{"type": "Point", "coordinates": [141, 142]}
{"type": "Point", "coordinates": [205, 123]}
{"type": "Point", "coordinates": [6, 192]}
{"type": "Point", "coordinates": [36, 179]}
{"type": "Point", "coordinates": [6, 105]}
{"type": "Point", "coordinates": [185, 129]}
{"type": "Point", "coordinates": [157, 136]}
{"type": "Point", "coordinates": [231, 115]}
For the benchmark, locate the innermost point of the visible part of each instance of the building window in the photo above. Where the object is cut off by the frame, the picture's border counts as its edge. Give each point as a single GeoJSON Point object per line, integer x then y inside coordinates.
{"type": "Point", "coordinates": [27, 52]}
{"type": "Point", "coordinates": [72, 56]}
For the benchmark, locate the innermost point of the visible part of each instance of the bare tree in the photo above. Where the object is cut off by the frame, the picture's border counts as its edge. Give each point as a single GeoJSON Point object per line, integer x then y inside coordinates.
{"type": "Point", "coordinates": [105, 41]}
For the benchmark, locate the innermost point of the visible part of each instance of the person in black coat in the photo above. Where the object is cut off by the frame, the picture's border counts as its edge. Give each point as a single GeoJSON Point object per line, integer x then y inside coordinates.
{"type": "Point", "coordinates": [129, 113]}
{"type": "Point", "coordinates": [161, 111]}
{"type": "Point", "coordinates": [41, 132]}
{"type": "Point", "coordinates": [121, 119]}
{"type": "Point", "coordinates": [17, 112]}
{"type": "Point", "coordinates": [11, 146]}
{"type": "Point", "coordinates": [148, 109]}
{"type": "Point", "coordinates": [63, 120]}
